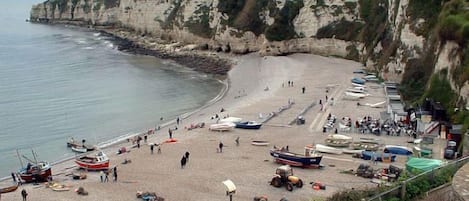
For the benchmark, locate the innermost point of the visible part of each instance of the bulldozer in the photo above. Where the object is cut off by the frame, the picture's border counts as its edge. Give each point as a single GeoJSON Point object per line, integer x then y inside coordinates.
{"type": "Point", "coordinates": [284, 177]}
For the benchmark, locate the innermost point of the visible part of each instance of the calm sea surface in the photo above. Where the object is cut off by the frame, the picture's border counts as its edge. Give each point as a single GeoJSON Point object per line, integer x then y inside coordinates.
{"type": "Point", "coordinates": [58, 82]}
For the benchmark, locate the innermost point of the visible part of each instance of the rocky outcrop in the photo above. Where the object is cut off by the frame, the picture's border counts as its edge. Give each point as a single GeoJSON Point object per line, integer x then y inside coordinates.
{"type": "Point", "coordinates": [388, 36]}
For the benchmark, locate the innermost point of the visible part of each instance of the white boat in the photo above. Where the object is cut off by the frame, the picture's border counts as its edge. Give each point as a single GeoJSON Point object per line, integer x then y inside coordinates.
{"type": "Point", "coordinates": [353, 90]}
{"type": "Point", "coordinates": [352, 151]}
{"type": "Point", "coordinates": [376, 105]}
{"type": "Point", "coordinates": [230, 120]}
{"type": "Point", "coordinates": [260, 143]}
{"type": "Point", "coordinates": [359, 95]}
{"type": "Point", "coordinates": [369, 140]}
{"type": "Point", "coordinates": [339, 137]}
{"type": "Point", "coordinates": [227, 126]}
{"type": "Point", "coordinates": [358, 85]}
{"type": "Point", "coordinates": [327, 149]}
{"type": "Point", "coordinates": [82, 149]}
{"type": "Point", "coordinates": [360, 88]}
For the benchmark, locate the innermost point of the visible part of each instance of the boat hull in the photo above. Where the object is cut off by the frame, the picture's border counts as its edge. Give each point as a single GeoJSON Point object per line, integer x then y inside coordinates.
{"type": "Point", "coordinates": [260, 143]}
{"type": "Point", "coordinates": [30, 177]}
{"type": "Point", "coordinates": [327, 149]}
{"type": "Point", "coordinates": [288, 158]}
{"type": "Point", "coordinates": [245, 125]}
{"type": "Point", "coordinates": [8, 189]}
{"type": "Point", "coordinates": [93, 166]}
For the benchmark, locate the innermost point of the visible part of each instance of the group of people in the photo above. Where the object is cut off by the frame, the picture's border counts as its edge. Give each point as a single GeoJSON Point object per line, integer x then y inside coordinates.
{"type": "Point", "coordinates": [104, 175]}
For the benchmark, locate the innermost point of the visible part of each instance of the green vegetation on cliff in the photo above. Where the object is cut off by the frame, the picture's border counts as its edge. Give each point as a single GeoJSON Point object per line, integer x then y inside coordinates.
{"type": "Point", "coordinates": [244, 14]}
{"type": "Point", "coordinates": [283, 28]}
{"type": "Point", "coordinates": [453, 25]}
{"type": "Point", "coordinates": [198, 24]}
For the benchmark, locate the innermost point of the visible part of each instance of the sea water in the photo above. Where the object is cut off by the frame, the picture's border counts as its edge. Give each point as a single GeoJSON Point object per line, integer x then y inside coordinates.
{"type": "Point", "coordinates": [58, 82]}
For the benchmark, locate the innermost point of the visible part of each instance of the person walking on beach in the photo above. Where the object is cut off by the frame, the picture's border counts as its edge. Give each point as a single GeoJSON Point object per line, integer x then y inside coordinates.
{"type": "Point", "coordinates": [151, 148]}
{"type": "Point", "coordinates": [170, 132]}
{"type": "Point", "coordinates": [303, 90]}
{"type": "Point", "coordinates": [177, 121]}
{"type": "Point", "coordinates": [24, 194]}
{"type": "Point", "coordinates": [159, 149]}
{"type": "Point", "coordinates": [115, 173]}
{"type": "Point", "coordinates": [220, 147]}
{"type": "Point", "coordinates": [183, 162]}
{"type": "Point", "coordinates": [187, 156]}
{"type": "Point", "coordinates": [101, 175]}
{"type": "Point", "coordinates": [13, 177]}
{"type": "Point", "coordinates": [106, 176]}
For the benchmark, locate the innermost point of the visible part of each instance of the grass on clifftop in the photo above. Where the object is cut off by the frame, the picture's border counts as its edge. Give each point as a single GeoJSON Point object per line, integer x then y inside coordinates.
{"type": "Point", "coordinates": [283, 28]}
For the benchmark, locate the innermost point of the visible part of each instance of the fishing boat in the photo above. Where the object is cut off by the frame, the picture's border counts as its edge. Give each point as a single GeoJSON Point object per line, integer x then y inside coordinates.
{"type": "Point", "coordinates": [227, 126]}
{"type": "Point", "coordinates": [337, 140]}
{"type": "Point", "coordinates": [260, 143]}
{"type": "Point", "coordinates": [353, 94]}
{"type": "Point", "coordinates": [34, 171]}
{"type": "Point", "coordinates": [369, 140]}
{"type": "Point", "coordinates": [98, 161]}
{"type": "Point", "coordinates": [352, 151]}
{"type": "Point", "coordinates": [72, 142]}
{"type": "Point", "coordinates": [355, 90]}
{"type": "Point", "coordinates": [8, 189]}
{"type": "Point", "coordinates": [82, 148]}
{"type": "Point", "coordinates": [327, 149]}
{"type": "Point", "coordinates": [309, 159]}
{"type": "Point", "coordinates": [357, 80]}
{"type": "Point", "coordinates": [248, 125]}
{"type": "Point", "coordinates": [399, 150]}
{"type": "Point", "coordinates": [365, 146]}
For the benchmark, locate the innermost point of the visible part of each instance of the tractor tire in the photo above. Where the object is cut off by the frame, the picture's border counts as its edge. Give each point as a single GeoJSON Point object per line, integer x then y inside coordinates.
{"type": "Point", "coordinates": [289, 186]}
{"type": "Point", "coordinates": [276, 182]}
{"type": "Point", "coordinates": [299, 184]}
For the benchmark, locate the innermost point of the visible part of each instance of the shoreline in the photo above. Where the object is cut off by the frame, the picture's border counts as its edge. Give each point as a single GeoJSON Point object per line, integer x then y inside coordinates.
{"type": "Point", "coordinates": [133, 47]}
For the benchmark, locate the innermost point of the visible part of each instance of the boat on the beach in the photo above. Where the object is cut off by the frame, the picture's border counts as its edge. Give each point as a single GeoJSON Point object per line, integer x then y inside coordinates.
{"type": "Point", "coordinates": [227, 126]}
{"type": "Point", "coordinates": [98, 161]}
{"type": "Point", "coordinates": [327, 149]}
{"type": "Point", "coordinates": [358, 85]}
{"type": "Point", "coordinates": [337, 140]}
{"type": "Point", "coordinates": [230, 120]}
{"type": "Point", "coordinates": [358, 95]}
{"type": "Point", "coordinates": [248, 125]}
{"type": "Point", "coordinates": [83, 148]}
{"type": "Point", "coordinates": [8, 189]}
{"type": "Point", "coordinates": [399, 150]}
{"type": "Point", "coordinates": [355, 90]}
{"type": "Point", "coordinates": [357, 80]}
{"type": "Point", "coordinates": [310, 159]}
{"type": "Point", "coordinates": [35, 172]}
{"type": "Point", "coordinates": [369, 140]}
{"type": "Point", "coordinates": [260, 143]}
{"type": "Point", "coordinates": [365, 146]}
{"type": "Point", "coordinates": [352, 151]}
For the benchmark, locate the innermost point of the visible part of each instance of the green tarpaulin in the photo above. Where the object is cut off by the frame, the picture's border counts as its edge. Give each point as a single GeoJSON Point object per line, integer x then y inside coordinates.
{"type": "Point", "coordinates": [422, 164]}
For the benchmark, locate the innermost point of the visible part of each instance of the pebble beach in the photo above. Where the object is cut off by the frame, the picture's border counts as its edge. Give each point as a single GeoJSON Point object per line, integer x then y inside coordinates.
{"type": "Point", "coordinates": [256, 87]}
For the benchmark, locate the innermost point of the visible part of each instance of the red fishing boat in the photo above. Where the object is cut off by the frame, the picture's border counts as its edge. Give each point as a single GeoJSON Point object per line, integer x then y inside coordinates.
{"type": "Point", "coordinates": [98, 161]}
{"type": "Point", "coordinates": [35, 172]}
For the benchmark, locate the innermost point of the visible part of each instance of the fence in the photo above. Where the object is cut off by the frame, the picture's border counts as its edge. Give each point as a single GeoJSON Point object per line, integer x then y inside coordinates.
{"type": "Point", "coordinates": [421, 183]}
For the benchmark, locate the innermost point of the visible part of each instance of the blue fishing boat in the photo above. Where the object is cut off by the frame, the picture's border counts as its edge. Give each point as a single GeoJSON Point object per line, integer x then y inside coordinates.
{"type": "Point", "coordinates": [248, 125]}
{"type": "Point", "coordinates": [357, 80]}
{"type": "Point", "coordinates": [310, 160]}
{"type": "Point", "coordinates": [399, 150]}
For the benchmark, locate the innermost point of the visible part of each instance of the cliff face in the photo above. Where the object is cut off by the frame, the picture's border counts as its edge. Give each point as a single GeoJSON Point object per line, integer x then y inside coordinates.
{"type": "Point", "coordinates": [392, 37]}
